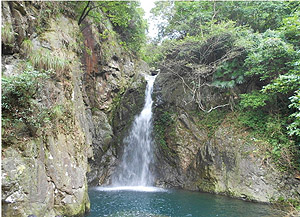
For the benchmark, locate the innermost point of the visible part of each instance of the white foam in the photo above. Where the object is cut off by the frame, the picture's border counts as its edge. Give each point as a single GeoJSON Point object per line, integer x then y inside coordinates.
{"type": "Point", "coordinates": [131, 188]}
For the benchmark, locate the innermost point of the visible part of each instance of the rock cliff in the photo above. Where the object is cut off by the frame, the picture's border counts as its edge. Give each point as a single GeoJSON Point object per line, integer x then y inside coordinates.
{"type": "Point", "coordinates": [67, 139]}
{"type": "Point", "coordinates": [212, 152]}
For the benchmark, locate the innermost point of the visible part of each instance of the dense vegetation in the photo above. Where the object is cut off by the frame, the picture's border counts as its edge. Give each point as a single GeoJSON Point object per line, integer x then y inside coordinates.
{"type": "Point", "coordinates": [252, 47]}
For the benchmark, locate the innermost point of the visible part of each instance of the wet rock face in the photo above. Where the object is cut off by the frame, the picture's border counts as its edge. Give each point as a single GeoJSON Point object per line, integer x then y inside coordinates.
{"type": "Point", "coordinates": [107, 135]}
{"type": "Point", "coordinates": [129, 105]}
{"type": "Point", "coordinates": [103, 158]}
{"type": "Point", "coordinates": [190, 155]}
{"type": "Point", "coordinates": [111, 79]}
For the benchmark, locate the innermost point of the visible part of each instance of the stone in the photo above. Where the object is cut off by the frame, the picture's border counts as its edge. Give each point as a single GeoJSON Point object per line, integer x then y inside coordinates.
{"type": "Point", "coordinates": [39, 170]}
{"type": "Point", "coordinates": [222, 161]}
{"type": "Point", "coordinates": [155, 72]}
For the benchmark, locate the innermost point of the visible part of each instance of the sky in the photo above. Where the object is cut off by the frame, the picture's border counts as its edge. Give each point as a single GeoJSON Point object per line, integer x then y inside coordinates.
{"type": "Point", "coordinates": [147, 5]}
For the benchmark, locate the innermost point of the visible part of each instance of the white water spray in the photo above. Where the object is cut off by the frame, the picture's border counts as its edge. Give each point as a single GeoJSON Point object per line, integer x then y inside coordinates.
{"type": "Point", "coordinates": [134, 169]}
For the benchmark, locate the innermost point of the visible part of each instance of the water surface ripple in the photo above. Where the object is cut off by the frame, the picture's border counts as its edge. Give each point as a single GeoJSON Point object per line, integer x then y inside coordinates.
{"type": "Point", "coordinates": [171, 203]}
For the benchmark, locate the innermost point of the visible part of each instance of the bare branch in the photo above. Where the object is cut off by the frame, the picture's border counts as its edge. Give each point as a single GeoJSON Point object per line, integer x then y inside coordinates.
{"type": "Point", "coordinates": [219, 106]}
{"type": "Point", "coordinates": [194, 64]}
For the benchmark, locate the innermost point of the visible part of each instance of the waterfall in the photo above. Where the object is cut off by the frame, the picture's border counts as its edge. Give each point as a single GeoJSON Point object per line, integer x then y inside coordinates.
{"type": "Point", "coordinates": [134, 169]}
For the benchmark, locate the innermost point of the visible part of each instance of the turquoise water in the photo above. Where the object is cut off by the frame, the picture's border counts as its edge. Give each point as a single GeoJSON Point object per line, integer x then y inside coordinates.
{"type": "Point", "coordinates": [175, 203]}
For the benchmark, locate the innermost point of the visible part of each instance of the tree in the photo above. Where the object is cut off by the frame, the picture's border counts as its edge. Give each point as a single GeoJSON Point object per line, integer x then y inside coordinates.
{"type": "Point", "coordinates": [195, 17]}
{"type": "Point", "coordinates": [125, 16]}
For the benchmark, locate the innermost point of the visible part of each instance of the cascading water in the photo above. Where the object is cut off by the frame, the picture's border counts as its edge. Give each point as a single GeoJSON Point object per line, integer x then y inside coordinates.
{"type": "Point", "coordinates": [133, 194]}
{"type": "Point", "coordinates": [134, 169]}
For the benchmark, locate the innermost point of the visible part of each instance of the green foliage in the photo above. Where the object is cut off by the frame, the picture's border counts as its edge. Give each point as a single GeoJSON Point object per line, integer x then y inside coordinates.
{"type": "Point", "coordinates": [270, 56]}
{"type": "Point", "coordinates": [18, 90]}
{"type": "Point", "coordinates": [119, 13]}
{"type": "Point", "coordinates": [164, 129]}
{"type": "Point", "coordinates": [229, 74]}
{"type": "Point", "coordinates": [294, 127]}
{"type": "Point", "coordinates": [18, 105]}
{"type": "Point", "coordinates": [260, 16]}
{"type": "Point", "coordinates": [153, 54]}
{"type": "Point", "coordinates": [125, 16]}
{"type": "Point", "coordinates": [271, 128]}
{"type": "Point", "coordinates": [286, 83]}
{"type": "Point", "coordinates": [255, 119]}
{"type": "Point", "coordinates": [184, 18]}
{"type": "Point", "coordinates": [22, 115]}
{"type": "Point", "coordinates": [252, 47]}
{"type": "Point", "coordinates": [212, 49]}
{"type": "Point", "coordinates": [105, 34]}
{"type": "Point", "coordinates": [7, 34]}
{"type": "Point", "coordinates": [291, 28]}
{"type": "Point", "coordinates": [267, 125]}
{"type": "Point", "coordinates": [276, 62]}
{"type": "Point", "coordinates": [255, 99]}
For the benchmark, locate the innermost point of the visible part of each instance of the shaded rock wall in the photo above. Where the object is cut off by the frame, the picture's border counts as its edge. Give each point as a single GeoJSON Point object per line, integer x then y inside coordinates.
{"type": "Point", "coordinates": [112, 76]}
{"type": "Point", "coordinates": [224, 160]}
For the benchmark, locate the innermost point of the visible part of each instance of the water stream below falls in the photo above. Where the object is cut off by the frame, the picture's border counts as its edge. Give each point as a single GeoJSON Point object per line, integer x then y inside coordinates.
{"type": "Point", "coordinates": [171, 203]}
{"type": "Point", "coordinates": [132, 194]}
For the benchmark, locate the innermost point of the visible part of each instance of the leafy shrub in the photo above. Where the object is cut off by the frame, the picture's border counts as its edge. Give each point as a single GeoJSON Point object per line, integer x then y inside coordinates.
{"type": "Point", "coordinates": [275, 62]}
{"type": "Point", "coordinates": [294, 127]}
{"type": "Point", "coordinates": [269, 57]}
{"type": "Point", "coordinates": [255, 99]}
{"type": "Point", "coordinates": [18, 90]}
{"type": "Point", "coordinates": [18, 105]}
{"type": "Point", "coordinates": [229, 74]}
{"type": "Point", "coordinates": [127, 19]}
{"type": "Point", "coordinates": [290, 28]}
{"type": "Point", "coordinates": [125, 16]}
